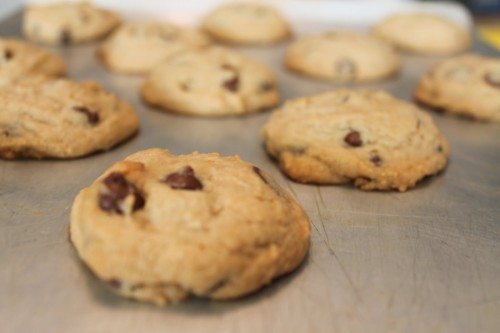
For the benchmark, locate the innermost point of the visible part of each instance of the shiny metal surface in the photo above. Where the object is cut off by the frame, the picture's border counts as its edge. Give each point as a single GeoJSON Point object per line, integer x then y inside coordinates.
{"type": "Point", "coordinates": [427, 260]}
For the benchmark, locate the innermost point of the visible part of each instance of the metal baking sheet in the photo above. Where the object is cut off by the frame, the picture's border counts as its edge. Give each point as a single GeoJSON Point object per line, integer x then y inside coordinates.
{"type": "Point", "coordinates": [427, 260]}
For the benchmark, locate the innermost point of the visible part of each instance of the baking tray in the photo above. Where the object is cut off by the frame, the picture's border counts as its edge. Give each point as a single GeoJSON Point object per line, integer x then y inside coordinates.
{"type": "Point", "coordinates": [422, 261]}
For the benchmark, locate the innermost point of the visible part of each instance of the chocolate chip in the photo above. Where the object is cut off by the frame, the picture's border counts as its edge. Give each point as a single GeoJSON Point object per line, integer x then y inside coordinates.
{"type": "Point", "coordinates": [266, 86]}
{"type": "Point", "coordinates": [117, 185]}
{"type": "Point", "coordinates": [353, 139]}
{"type": "Point", "coordinates": [8, 54]}
{"type": "Point", "coordinates": [65, 37]}
{"type": "Point", "coordinates": [115, 283]}
{"type": "Point", "coordinates": [259, 173]}
{"type": "Point", "coordinates": [92, 116]}
{"type": "Point", "coordinates": [232, 84]}
{"type": "Point", "coordinates": [439, 149]}
{"type": "Point", "coordinates": [493, 79]}
{"type": "Point", "coordinates": [345, 68]}
{"type": "Point", "coordinates": [118, 189]}
{"type": "Point", "coordinates": [376, 160]}
{"type": "Point", "coordinates": [183, 180]}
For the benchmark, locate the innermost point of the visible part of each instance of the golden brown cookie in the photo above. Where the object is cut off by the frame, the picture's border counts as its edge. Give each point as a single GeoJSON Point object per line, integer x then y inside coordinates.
{"type": "Point", "coordinates": [160, 228]}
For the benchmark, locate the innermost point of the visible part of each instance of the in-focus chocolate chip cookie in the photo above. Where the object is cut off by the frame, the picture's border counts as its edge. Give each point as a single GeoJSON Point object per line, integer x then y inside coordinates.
{"type": "Point", "coordinates": [369, 138]}
{"type": "Point", "coordinates": [61, 119]}
{"type": "Point", "coordinates": [135, 48]}
{"type": "Point", "coordinates": [246, 23]}
{"type": "Point", "coordinates": [423, 33]}
{"type": "Point", "coordinates": [160, 228]}
{"type": "Point", "coordinates": [211, 82]}
{"type": "Point", "coordinates": [67, 23]}
{"type": "Point", "coordinates": [21, 61]}
{"type": "Point", "coordinates": [467, 85]}
{"type": "Point", "coordinates": [342, 56]}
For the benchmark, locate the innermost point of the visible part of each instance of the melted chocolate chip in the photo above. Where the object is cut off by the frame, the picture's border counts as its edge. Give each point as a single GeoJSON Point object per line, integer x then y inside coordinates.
{"type": "Point", "coordinates": [92, 116]}
{"type": "Point", "coordinates": [232, 84]}
{"type": "Point", "coordinates": [376, 160]}
{"type": "Point", "coordinates": [493, 79]}
{"type": "Point", "coordinates": [115, 283]}
{"type": "Point", "coordinates": [118, 189]}
{"type": "Point", "coordinates": [266, 86]}
{"type": "Point", "coordinates": [259, 173]}
{"type": "Point", "coordinates": [65, 37]}
{"type": "Point", "coordinates": [8, 54]}
{"type": "Point", "coordinates": [184, 180]}
{"type": "Point", "coordinates": [353, 139]}
{"type": "Point", "coordinates": [439, 149]}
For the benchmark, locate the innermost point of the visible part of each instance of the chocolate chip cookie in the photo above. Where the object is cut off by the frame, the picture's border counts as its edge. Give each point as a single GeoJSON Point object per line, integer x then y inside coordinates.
{"type": "Point", "coordinates": [246, 23]}
{"type": "Point", "coordinates": [159, 228]}
{"type": "Point", "coordinates": [61, 119]}
{"type": "Point", "coordinates": [467, 85]}
{"type": "Point", "coordinates": [211, 82]}
{"type": "Point", "coordinates": [423, 33]}
{"type": "Point", "coordinates": [369, 138]}
{"type": "Point", "coordinates": [67, 23]}
{"type": "Point", "coordinates": [342, 56]}
{"type": "Point", "coordinates": [21, 61]}
{"type": "Point", "coordinates": [135, 48]}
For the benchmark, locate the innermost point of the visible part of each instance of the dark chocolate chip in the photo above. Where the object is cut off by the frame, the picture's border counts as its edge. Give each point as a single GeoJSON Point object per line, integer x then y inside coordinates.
{"type": "Point", "coordinates": [92, 116]}
{"type": "Point", "coordinates": [493, 79]}
{"type": "Point", "coordinates": [232, 84]}
{"type": "Point", "coordinates": [353, 139]}
{"type": "Point", "coordinates": [439, 149]}
{"type": "Point", "coordinates": [65, 37]}
{"type": "Point", "coordinates": [183, 180]}
{"type": "Point", "coordinates": [266, 86]}
{"type": "Point", "coordinates": [118, 189]}
{"type": "Point", "coordinates": [376, 160]}
{"type": "Point", "coordinates": [117, 185]}
{"type": "Point", "coordinates": [138, 200]}
{"type": "Point", "coordinates": [8, 54]}
{"type": "Point", "coordinates": [109, 203]}
{"type": "Point", "coordinates": [259, 173]}
{"type": "Point", "coordinates": [115, 283]}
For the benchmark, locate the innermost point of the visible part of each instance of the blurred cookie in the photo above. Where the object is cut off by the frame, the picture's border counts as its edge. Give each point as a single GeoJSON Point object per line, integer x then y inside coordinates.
{"type": "Point", "coordinates": [160, 228]}
{"type": "Point", "coordinates": [246, 23]}
{"type": "Point", "coordinates": [61, 119]}
{"type": "Point", "coordinates": [67, 23]}
{"type": "Point", "coordinates": [135, 48]}
{"type": "Point", "coordinates": [20, 60]}
{"type": "Point", "coordinates": [211, 82]}
{"type": "Point", "coordinates": [369, 138]}
{"type": "Point", "coordinates": [467, 85]}
{"type": "Point", "coordinates": [423, 33]}
{"type": "Point", "coordinates": [342, 56]}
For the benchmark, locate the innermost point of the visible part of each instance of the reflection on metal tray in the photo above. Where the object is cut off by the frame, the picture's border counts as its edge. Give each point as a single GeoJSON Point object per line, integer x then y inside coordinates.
{"type": "Point", "coordinates": [422, 261]}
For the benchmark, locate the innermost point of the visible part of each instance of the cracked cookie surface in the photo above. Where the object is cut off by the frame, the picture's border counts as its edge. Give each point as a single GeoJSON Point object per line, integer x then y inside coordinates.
{"type": "Point", "coordinates": [423, 33]}
{"type": "Point", "coordinates": [467, 85]}
{"type": "Point", "coordinates": [159, 228]}
{"type": "Point", "coordinates": [67, 23]}
{"type": "Point", "coordinates": [342, 56]}
{"type": "Point", "coordinates": [211, 82]}
{"type": "Point", "coordinates": [369, 138]}
{"type": "Point", "coordinates": [61, 119]}
{"type": "Point", "coordinates": [20, 60]}
{"type": "Point", "coordinates": [135, 48]}
{"type": "Point", "coordinates": [246, 23]}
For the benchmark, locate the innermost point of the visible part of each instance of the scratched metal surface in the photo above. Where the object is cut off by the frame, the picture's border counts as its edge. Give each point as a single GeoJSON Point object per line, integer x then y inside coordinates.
{"type": "Point", "coordinates": [423, 261]}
